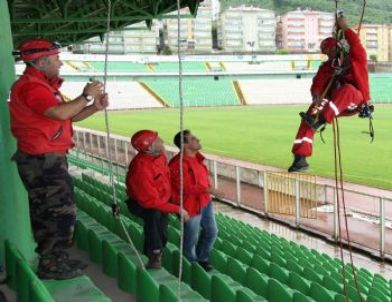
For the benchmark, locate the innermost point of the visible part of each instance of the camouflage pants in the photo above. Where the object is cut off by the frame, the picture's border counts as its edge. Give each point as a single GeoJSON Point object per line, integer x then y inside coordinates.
{"type": "Point", "coordinates": [51, 199]}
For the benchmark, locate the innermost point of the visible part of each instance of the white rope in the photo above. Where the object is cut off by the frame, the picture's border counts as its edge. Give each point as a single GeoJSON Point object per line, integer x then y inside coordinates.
{"type": "Point", "coordinates": [180, 92]}
{"type": "Point", "coordinates": [108, 148]}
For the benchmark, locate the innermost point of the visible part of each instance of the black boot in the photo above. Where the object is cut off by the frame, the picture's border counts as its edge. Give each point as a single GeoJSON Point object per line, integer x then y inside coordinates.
{"type": "Point", "coordinates": [72, 263]}
{"type": "Point", "coordinates": [312, 121]}
{"type": "Point", "coordinates": [299, 164]}
{"type": "Point", "coordinates": [51, 268]}
{"type": "Point", "coordinates": [206, 266]}
{"type": "Point", "coordinates": [154, 260]}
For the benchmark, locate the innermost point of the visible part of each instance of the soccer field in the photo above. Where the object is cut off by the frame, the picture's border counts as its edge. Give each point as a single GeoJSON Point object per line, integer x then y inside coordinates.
{"type": "Point", "coordinates": [265, 135]}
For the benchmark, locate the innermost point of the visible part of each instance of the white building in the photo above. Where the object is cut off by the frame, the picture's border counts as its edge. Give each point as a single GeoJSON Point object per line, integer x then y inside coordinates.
{"type": "Point", "coordinates": [247, 29]}
{"type": "Point", "coordinates": [195, 33]}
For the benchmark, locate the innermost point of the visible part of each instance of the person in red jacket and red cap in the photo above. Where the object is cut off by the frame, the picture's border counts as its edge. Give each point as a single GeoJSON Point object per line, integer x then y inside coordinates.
{"type": "Point", "coordinates": [41, 122]}
{"type": "Point", "coordinates": [197, 192]}
{"type": "Point", "coordinates": [149, 192]}
{"type": "Point", "coordinates": [345, 96]}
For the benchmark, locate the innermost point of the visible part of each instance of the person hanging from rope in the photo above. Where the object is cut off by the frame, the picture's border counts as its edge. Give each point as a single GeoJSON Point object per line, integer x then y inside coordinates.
{"type": "Point", "coordinates": [340, 88]}
{"type": "Point", "coordinates": [149, 193]}
{"type": "Point", "coordinates": [197, 199]}
{"type": "Point", "coordinates": [41, 122]}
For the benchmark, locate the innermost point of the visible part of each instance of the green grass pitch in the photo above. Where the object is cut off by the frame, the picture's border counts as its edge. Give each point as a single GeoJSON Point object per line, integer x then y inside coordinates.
{"type": "Point", "coordinates": [265, 134]}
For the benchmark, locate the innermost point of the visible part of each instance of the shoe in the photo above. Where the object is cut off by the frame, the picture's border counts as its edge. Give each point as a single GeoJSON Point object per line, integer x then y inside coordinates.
{"type": "Point", "coordinates": [154, 260]}
{"type": "Point", "coordinates": [72, 263]}
{"type": "Point", "coordinates": [206, 266]}
{"type": "Point", "coordinates": [51, 268]}
{"type": "Point", "coordinates": [314, 123]}
{"type": "Point", "coordinates": [299, 164]}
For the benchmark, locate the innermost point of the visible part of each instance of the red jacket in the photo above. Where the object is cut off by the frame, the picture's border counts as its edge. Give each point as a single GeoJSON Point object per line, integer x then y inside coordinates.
{"type": "Point", "coordinates": [196, 182]}
{"type": "Point", "coordinates": [148, 182]}
{"type": "Point", "coordinates": [358, 73]}
{"type": "Point", "coordinates": [31, 95]}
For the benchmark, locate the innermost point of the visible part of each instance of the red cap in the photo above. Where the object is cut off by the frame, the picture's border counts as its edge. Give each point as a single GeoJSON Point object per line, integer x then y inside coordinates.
{"type": "Point", "coordinates": [36, 48]}
{"type": "Point", "coordinates": [327, 44]}
{"type": "Point", "coordinates": [143, 139]}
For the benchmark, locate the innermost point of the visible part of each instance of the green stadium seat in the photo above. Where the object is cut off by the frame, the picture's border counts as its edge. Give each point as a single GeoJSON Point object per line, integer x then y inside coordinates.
{"type": "Point", "coordinates": [201, 280]}
{"type": "Point", "coordinates": [235, 270]}
{"type": "Point", "coordinates": [299, 283]}
{"type": "Point", "coordinates": [246, 295]}
{"type": "Point", "coordinates": [218, 260]}
{"type": "Point", "coordinates": [276, 292]}
{"type": "Point", "coordinates": [79, 289]}
{"type": "Point", "coordinates": [243, 255]}
{"type": "Point", "coordinates": [221, 291]}
{"type": "Point", "coordinates": [109, 256]}
{"type": "Point", "coordinates": [299, 297]}
{"type": "Point", "coordinates": [332, 284]}
{"type": "Point", "coordinates": [319, 293]}
{"type": "Point", "coordinates": [39, 293]}
{"type": "Point", "coordinates": [256, 282]}
{"type": "Point", "coordinates": [186, 267]}
{"type": "Point", "coordinates": [260, 264]}
{"type": "Point", "coordinates": [278, 273]}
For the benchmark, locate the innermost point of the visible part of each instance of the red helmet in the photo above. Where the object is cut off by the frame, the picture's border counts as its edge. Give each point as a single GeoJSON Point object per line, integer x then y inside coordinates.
{"type": "Point", "coordinates": [36, 48]}
{"type": "Point", "coordinates": [328, 43]}
{"type": "Point", "coordinates": [143, 139]}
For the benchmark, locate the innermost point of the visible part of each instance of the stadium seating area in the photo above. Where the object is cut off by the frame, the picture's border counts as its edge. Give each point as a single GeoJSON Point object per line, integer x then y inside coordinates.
{"type": "Point", "coordinates": [249, 264]}
{"type": "Point", "coordinates": [119, 66]}
{"type": "Point", "coordinates": [197, 91]}
{"type": "Point", "coordinates": [381, 88]}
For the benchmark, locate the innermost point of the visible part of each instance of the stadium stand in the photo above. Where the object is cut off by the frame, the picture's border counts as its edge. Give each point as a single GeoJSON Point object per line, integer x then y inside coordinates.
{"type": "Point", "coordinates": [173, 67]}
{"type": "Point", "coordinates": [30, 288]}
{"type": "Point", "coordinates": [249, 264]}
{"type": "Point", "coordinates": [123, 95]}
{"type": "Point", "coordinates": [197, 91]}
{"type": "Point", "coordinates": [276, 91]}
{"type": "Point", "coordinates": [119, 66]}
{"type": "Point", "coordinates": [381, 87]}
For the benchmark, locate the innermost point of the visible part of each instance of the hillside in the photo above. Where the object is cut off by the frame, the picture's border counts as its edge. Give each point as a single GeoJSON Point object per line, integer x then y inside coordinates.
{"type": "Point", "coordinates": [377, 11]}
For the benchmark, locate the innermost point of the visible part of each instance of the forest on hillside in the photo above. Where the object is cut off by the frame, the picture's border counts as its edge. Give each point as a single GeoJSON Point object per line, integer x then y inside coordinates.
{"type": "Point", "coordinates": [377, 11]}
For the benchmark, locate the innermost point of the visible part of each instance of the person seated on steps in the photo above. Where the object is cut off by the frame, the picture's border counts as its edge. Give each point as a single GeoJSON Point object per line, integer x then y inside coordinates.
{"type": "Point", "coordinates": [149, 193]}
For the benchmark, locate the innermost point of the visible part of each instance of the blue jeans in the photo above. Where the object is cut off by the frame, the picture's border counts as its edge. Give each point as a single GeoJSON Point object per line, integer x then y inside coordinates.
{"type": "Point", "coordinates": [200, 233]}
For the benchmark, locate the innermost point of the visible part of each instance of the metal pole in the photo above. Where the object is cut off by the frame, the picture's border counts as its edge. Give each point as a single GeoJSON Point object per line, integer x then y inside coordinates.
{"type": "Point", "coordinates": [382, 227]}
{"type": "Point", "coordinates": [77, 143]}
{"type": "Point", "coordinates": [215, 174]}
{"type": "Point", "coordinates": [265, 190]}
{"type": "Point", "coordinates": [126, 153]}
{"type": "Point", "coordinates": [84, 144]}
{"type": "Point", "coordinates": [91, 142]}
{"type": "Point", "coordinates": [325, 194]}
{"type": "Point", "coordinates": [99, 144]}
{"type": "Point", "coordinates": [238, 183]}
{"type": "Point", "coordinates": [116, 154]}
{"type": "Point", "coordinates": [335, 215]}
{"type": "Point", "coordinates": [297, 203]}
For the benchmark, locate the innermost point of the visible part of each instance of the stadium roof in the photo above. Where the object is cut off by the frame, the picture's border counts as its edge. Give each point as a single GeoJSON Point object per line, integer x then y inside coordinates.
{"type": "Point", "coordinates": [72, 21]}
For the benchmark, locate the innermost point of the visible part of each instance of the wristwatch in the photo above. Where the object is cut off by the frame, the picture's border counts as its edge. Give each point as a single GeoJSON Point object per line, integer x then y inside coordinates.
{"type": "Point", "coordinates": [89, 98]}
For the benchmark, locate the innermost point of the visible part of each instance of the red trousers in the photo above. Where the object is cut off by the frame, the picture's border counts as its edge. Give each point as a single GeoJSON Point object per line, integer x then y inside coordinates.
{"type": "Point", "coordinates": [347, 97]}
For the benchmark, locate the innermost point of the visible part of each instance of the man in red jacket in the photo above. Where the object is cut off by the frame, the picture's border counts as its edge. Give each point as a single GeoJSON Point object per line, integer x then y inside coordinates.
{"type": "Point", "coordinates": [149, 192]}
{"type": "Point", "coordinates": [41, 122]}
{"type": "Point", "coordinates": [345, 96]}
{"type": "Point", "coordinates": [197, 199]}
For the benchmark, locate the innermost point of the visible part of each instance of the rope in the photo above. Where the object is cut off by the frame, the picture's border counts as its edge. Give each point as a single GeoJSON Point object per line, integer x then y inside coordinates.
{"type": "Point", "coordinates": [108, 149]}
{"type": "Point", "coordinates": [339, 179]}
{"type": "Point", "coordinates": [338, 162]}
{"type": "Point", "coordinates": [362, 16]}
{"type": "Point", "coordinates": [181, 98]}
